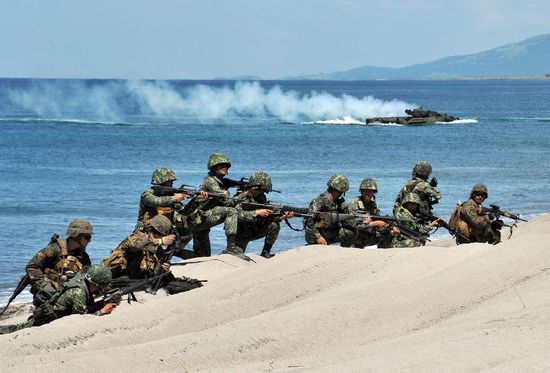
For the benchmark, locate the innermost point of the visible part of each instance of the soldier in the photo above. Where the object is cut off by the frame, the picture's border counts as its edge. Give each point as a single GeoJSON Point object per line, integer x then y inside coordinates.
{"type": "Point", "coordinates": [260, 223]}
{"type": "Point", "coordinates": [319, 229]}
{"type": "Point", "coordinates": [473, 222]}
{"type": "Point", "coordinates": [151, 204]}
{"type": "Point", "coordinates": [407, 215]}
{"type": "Point", "coordinates": [60, 260]}
{"type": "Point", "coordinates": [206, 213]}
{"type": "Point", "coordinates": [360, 234]}
{"type": "Point", "coordinates": [427, 192]}
{"type": "Point", "coordinates": [139, 255]}
{"type": "Point", "coordinates": [76, 296]}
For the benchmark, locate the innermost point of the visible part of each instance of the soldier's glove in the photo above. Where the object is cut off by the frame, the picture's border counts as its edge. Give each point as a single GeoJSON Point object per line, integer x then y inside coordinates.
{"type": "Point", "coordinates": [107, 309]}
{"type": "Point", "coordinates": [433, 182]}
{"type": "Point", "coordinates": [497, 225]}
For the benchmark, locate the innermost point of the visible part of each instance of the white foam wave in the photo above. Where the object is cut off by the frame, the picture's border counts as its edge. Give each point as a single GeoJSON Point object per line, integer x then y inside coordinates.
{"type": "Point", "coordinates": [347, 120]}
{"type": "Point", "coordinates": [461, 121]}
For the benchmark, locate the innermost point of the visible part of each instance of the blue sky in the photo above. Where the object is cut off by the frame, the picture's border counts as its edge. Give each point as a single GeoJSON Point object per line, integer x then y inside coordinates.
{"type": "Point", "coordinates": [202, 39]}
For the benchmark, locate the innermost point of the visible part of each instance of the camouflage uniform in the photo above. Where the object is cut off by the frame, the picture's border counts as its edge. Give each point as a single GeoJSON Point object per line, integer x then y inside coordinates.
{"type": "Point", "coordinates": [136, 256]}
{"type": "Point", "coordinates": [54, 264]}
{"type": "Point", "coordinates": [252, 227]}
{"type": "Point", "coordinates": [320, 224]}
{"type": "Point", "coordinates": [428, 194]}
{"type": "Point", "coordinates": [406, 218]}
{"type": "Point", "coordinates": [73, 297]}
{"type": "Point", "coordinates": [151, 205]}
{"type": "Point", "coordinates": [204, 215]}
{"type": "Point", "coordinates": [357, 233]}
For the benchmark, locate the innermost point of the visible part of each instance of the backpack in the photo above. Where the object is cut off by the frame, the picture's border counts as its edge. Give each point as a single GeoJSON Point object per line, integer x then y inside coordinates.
{"type": "Point", "coordinates": [456, 222]}
{"type": "Point", "coordinates": [44, 313]}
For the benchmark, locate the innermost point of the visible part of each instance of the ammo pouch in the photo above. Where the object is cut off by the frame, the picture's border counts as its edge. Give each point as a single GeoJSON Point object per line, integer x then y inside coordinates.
{"type": "Point", "coordinates": [196, 217]}
{"type": "Point", "coordinates": [322, 221]}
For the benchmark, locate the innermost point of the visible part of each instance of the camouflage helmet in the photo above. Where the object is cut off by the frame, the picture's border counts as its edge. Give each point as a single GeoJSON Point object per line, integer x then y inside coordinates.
{"type": "Point", "coordinates": [422, 169]}
{"type": "Point", "coordinates": [368, 184]}
{"type": "Point", "coordinates": [99, 275]}
{"type": "Point", "coordinates": [162, 175]}
{"type": "Point", "coordinates": [78, 227]}
{"type": "Point", "coordinates": [338, 182]}
{"type": "Point", "coordinates": [480, 188]}
{"type": "Point", "coordinates": [216, 159]}
{"type": "Point", "coordinates": [262, 179]}
{"type": "Point", "coordinates": [411, 197]}
{"type": "Point", "coordinates": [161, 224]}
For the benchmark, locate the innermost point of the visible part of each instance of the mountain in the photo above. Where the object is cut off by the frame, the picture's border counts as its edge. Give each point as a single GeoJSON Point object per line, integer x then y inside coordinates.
{"type": "Point", "coordinates": [528, 58]}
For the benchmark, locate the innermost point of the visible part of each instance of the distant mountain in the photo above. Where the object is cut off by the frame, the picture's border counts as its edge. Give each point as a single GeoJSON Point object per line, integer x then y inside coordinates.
{"type": "Point", "coordinates": [528, 58]}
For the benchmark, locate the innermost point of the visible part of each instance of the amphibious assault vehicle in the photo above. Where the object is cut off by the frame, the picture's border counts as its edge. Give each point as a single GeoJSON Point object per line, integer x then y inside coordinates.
{"type": "Point", "coordinates": [416, 117]}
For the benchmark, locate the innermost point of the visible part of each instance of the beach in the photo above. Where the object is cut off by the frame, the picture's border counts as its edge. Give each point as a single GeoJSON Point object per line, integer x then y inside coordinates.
{"type": "Point", "coordinates": [442, 307]}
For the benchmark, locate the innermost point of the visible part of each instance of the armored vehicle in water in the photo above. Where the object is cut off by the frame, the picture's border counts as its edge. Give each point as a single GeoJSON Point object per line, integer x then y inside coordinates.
{"type": "Point", "coordinates": [415, 117]}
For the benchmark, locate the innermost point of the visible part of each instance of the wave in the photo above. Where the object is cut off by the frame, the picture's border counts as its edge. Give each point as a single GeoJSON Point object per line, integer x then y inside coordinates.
{"type": "Point", "coordinates": [136, 102]}
{"type": "Point", "coordinates": [347, 120]}
{"type": "Point", "coordinates": [63, 121]}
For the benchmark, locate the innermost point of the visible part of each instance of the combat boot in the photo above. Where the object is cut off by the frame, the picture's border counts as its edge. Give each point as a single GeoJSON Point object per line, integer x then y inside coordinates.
{"type": "Point", "coordinates": [266, 251]}
{"type": "Point", "coordinates": [233, 249]}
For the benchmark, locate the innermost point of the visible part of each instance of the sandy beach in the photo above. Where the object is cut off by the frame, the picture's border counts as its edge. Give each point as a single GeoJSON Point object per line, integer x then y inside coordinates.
{"type": "Point", "coordinates": [442, 307]}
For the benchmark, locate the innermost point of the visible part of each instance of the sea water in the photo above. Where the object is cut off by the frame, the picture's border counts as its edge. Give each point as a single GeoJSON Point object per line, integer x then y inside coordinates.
{"type": "Point", "coordinates": [87, 148]}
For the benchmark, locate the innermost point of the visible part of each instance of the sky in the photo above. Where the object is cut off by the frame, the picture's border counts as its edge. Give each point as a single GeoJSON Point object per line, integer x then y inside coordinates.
{"type": "Point", "coordinates": [206, 39]}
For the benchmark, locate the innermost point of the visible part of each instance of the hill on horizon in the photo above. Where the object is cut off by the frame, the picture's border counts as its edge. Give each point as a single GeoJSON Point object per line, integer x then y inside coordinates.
{"type": "Point", "coordinates": [528, 58]}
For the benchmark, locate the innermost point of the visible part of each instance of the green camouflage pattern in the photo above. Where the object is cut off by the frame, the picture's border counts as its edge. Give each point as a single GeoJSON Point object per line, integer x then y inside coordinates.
{"type": "Point", "coordinates": [317, 226]}
{"type": "Point", "coordinates": [99, 275]}
{"type": "Point", "coordinates": [161, 224]}
{"type": "Point", "coordinates": [150, 202]}
{"type": "Point", "coordinates": [251, 227]}
{"type": "Point", "coordinates": [479, 224]}
{"type": "Point", "coordinates": [216, 159]}
{"type": "Point", "coordinates": [136, 257]}
{"type": "Point", "coordinates": [411, 198]}
{"type": "Point", "coordinates": [79, 226]}
{"type": "Point", "coordinates": [368, 184]}
{"type": "Point", "coordinates": [424, 190]}
{"type": "Point", "coordinates": [413, 222]}
{"type": "Point", "coordinates": [480, 188]}
{"type": "Point", "coordinates": [42, 266]}
{"type": "Point", "coordinates": [422, 169]}
{"type": "Point", "coordinates": [339, 183]}
{"type": "Point", "coordinates": [261, 179]}
{"type": "Point", "coordinates": [357, 233]}
{"type": "Point", "coordinates": [162, 175]}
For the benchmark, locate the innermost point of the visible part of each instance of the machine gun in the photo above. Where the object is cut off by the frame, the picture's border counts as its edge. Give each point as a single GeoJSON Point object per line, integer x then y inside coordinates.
{"type": "Point", "coordinates": [497, 212]}
{"type": "Point", "coordinates": [336, 217]}
{"type": "Point", "coordinates": [444, 224]}
{"type": "Point", "coordinates": [22, 284]}
{"type": "Point", "coordinates": [184, 189]}
{"type": "Point", "coordinates": [244, 184]}
{"type": "Point", "coordinates": [115, 295]}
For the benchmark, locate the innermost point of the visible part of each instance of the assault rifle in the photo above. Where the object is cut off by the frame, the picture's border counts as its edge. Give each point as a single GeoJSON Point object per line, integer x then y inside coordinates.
{"type": "Point", "coordinates": [185, 189]}
{"type": "Point", "coordinates": [22, 284]}
{"type": "Point", "coordinates": [497, 212]}
{"type": "Point", "coordinates": [115, 295]}
{"type": "Point", "coordinates": [444, 224]}
{"type": "Point", "coordinates": [244, 184]}
{"type": "Point", "coordinates": [336, 217]}
{"type": "Point", "coordinates": [278, 210]}
{"type": "Point", "coordinates": [153, 288]}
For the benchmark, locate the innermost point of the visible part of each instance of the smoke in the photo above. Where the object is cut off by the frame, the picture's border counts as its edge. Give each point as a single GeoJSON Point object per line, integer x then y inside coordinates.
{"type": "Point", "coordinates": [128, 101]}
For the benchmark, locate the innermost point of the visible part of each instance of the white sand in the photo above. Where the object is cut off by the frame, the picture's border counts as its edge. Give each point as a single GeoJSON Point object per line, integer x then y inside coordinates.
{"type": "Point", "coordinates": [441, 308]}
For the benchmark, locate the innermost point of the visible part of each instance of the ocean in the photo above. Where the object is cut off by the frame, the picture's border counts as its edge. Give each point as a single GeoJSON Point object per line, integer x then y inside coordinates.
{"type": "Point", "coordinates": [87, 148]}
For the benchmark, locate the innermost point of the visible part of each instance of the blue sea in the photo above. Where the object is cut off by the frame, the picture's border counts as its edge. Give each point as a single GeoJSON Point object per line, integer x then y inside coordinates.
{"type": "Point", "coordinates": [86, 148]}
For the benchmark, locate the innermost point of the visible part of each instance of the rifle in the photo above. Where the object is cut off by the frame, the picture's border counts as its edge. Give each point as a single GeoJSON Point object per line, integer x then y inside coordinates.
{"type": "Point", "coordinates": [244, 184]}
{"type": "Point", "coordinates": [153, 288]}
{"type": "Point", "coordinates": [444, 224]}
{"type": "Point", "coordinates": [278, 210]}
{"type": "Point", "coordinates": [22, 284]}
{"type": "Point", "coordinates": [336, 217]}
{"type": "Point", "coordinates": [185, 189]}
{"type": "Point", "coordinates": [115, 295]}
{"type": "Point", "coordinates": [495, 209]}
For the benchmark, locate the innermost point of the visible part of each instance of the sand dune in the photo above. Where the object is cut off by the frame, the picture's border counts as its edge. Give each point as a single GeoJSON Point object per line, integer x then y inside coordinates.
{"type": "Point", "coordinates": [323, 309]}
